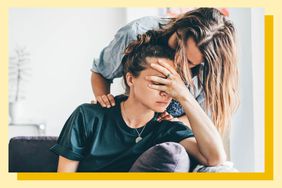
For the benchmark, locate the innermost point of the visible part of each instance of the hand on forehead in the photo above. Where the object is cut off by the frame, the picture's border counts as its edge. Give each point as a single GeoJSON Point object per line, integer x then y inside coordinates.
{"type": "Point", "coordinates": [157, 60]}
{"type": "Point", "coordinates": [164, 63]}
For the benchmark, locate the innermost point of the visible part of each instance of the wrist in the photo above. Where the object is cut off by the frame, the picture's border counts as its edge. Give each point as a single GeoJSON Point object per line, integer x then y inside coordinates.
{"type": "Point", "coordinates": [100, 85]}
{"type": "Point", "coordinates": [102, 90]}
{"type": "Point", "coordinates": [185, 97]}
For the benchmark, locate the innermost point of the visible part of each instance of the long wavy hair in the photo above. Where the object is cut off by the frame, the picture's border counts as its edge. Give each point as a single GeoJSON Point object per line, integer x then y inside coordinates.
{"type": "Point", "coordinates": [215, 37]}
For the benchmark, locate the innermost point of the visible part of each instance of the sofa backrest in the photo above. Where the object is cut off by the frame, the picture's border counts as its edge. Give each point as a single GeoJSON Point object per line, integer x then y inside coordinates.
{"type": "Point", "coordinates": [32, 154]}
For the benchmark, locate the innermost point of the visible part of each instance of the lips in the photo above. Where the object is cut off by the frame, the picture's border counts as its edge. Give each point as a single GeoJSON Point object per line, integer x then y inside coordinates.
{"type": "Point", "coordinates": [163, 103]}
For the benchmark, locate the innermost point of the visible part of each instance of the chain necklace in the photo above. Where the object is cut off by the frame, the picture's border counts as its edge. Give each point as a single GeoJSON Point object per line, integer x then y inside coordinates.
{"type": "Point", "coordinates": [138, 138]}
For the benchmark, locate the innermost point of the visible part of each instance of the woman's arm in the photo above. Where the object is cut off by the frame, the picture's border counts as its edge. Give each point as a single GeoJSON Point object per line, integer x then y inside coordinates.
{"type": "Point", "coordinates": [101, 90]}
{"type": "Point", "coordinates": [209, 143]}
{"type": "Point", "coordinates": [191, 146]}
{"type": "Point", "coordinates": [66, 165]}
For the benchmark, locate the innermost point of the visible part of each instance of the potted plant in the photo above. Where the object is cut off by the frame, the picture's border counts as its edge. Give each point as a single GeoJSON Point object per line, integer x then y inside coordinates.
{"type": "Point", "coordinates": [19, 73]}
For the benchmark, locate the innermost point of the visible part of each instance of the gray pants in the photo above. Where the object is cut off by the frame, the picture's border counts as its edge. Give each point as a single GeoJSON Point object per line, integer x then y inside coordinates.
{"type": "Point", "coordinates": [221, 168]}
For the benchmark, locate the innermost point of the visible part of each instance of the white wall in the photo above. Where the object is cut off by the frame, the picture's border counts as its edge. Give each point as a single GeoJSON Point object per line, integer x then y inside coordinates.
{"type": "Point", "coordinates": [135, 13]}
{"type": "Point", "coordinates": [258, 86]}
{"type": "Point", "coordinates": [62, 43]}
{"type": "Point", "coordinates": [247, 138]}
{"type": "Point", "coordinates": [242, 152]}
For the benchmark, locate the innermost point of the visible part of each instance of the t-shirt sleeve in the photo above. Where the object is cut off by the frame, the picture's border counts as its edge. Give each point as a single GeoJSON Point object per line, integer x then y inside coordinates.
{"type": "Point", "coordinates": [71, 143]}
{"type": "Point", "coordinates": [173, 131]}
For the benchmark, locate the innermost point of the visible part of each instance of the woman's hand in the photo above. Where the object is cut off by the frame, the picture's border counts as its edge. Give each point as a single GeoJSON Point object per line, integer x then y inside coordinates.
{"type": "Point", "coordinates": [105, 100]}
{"type": "Point", "coordinates": [166, 116]}
{"type": "Point", "coordinates": [172, 84]}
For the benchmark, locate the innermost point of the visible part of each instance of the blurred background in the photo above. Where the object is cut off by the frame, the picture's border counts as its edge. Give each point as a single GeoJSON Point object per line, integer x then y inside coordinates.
{"type": "Point", "coordinates": [51, 54]}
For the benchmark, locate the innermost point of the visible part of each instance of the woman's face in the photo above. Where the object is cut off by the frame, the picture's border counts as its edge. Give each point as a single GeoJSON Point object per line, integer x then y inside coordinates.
{"type": "Point", "coordinates": [150, 98]}
{"type": "Point", "coordinates": [193, 53]}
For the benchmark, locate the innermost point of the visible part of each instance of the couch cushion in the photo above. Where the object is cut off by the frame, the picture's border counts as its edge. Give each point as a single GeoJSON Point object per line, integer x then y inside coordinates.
{"type": "Point", "coordinates": [32, 154]}
{"type": "Point", "coordinates": [164, 157]}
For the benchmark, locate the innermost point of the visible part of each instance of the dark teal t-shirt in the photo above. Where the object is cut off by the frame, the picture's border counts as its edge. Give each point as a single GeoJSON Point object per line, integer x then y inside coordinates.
{"type": "Point", "coordinates": [100, 139]}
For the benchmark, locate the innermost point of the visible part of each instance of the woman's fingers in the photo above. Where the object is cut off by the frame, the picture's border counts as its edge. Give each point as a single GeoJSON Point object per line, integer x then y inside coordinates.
{"type": "Point", "coordinates": [166, 65]}
{"type": "Point", "coordinates": [161, 69]}
{"type": "Point", "coordinates": [165, 116]}
{"type": "Point", "coordinates": [106, 100]}
{"type": "Point", "coordinates": [111, 99]}
{"type": "Point", "coordinates": [100, 101]}
{"type": "Point", "coordinates": [158, 87]}
{"type": "Point", "coordinates": [172, 84]}
{"type": "Point", "coordinates": [158, 80]}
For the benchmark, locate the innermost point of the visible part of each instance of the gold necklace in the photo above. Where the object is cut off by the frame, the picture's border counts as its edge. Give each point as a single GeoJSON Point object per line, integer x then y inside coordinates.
{"type": "Point", "coordinates": [138, 138]}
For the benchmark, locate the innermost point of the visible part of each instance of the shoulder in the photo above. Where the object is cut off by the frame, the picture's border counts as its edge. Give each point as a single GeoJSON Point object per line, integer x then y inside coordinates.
{"type": "Point", "coordinates": [165, 124]}
{"type": "Point", "coordinates": [90, 107]}
{"type": "Point", "coordinates": [90, 111]}
{"type": "Point", "coordinates": [85, 119]}
{"type": "Point", "coordinates": [96, 110]}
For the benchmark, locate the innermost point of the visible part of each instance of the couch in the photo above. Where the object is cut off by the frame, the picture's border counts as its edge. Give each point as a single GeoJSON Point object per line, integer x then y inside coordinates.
{"type": "Point", "coordinates": [32, 154]}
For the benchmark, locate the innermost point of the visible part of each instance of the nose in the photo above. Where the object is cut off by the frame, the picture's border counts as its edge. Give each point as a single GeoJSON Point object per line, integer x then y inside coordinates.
{"type": "Point", "coordinates": [164, 95]}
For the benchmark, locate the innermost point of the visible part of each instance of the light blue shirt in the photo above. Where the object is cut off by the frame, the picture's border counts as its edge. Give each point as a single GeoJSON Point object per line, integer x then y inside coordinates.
{"type": "Point", "coordinates": [109, 63]}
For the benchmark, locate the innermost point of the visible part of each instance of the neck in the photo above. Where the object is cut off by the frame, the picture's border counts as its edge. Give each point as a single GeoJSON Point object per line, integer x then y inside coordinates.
{"type": "Point", "coordinates": [135, 114]}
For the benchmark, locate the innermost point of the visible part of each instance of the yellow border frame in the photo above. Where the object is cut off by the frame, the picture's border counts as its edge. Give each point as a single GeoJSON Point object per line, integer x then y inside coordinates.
{"type": "Point", "coordinates": [266, 175]}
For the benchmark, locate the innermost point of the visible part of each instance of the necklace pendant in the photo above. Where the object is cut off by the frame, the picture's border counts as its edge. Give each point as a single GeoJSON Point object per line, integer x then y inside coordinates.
{"type": "Point", "coordinates": [138, 139]}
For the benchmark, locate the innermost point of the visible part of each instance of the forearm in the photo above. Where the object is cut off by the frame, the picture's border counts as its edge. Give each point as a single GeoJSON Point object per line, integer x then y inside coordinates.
{"type": "Point", "coordinates": [66, 165]}
{"type": "Point", "coordinates": [100, 86]}
{"type": "Point", "coordinates": [208, 139]}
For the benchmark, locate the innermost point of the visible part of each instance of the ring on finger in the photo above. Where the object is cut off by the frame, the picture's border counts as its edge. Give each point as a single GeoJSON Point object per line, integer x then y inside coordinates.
{"type": "Point", "coordinates": [167, 76]}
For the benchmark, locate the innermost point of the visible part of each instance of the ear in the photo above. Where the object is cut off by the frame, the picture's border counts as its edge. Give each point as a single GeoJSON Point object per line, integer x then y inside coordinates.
{"type": "Point", "coordinates": [129, 79]}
